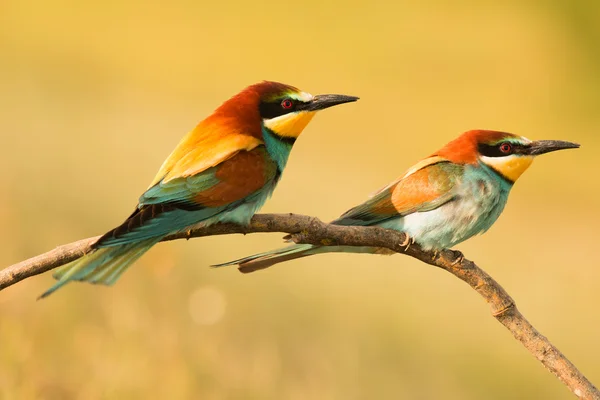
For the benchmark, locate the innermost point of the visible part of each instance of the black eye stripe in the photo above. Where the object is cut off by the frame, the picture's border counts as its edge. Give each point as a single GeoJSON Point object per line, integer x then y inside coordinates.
{"type": "Point", "coordinates": [494, 150]}
{"type": "Point", "coordinates": [274, 109]}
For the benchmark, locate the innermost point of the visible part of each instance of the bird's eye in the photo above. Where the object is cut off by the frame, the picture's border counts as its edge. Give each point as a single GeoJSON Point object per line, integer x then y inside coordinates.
{"type": "Point", "coordinates": [505, 148]}
{"type": "Point", "coordinates": [287, 104]}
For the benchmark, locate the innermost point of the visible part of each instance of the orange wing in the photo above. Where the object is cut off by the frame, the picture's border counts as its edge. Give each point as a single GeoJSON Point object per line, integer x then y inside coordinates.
{"type": "Point", "coordinates": [239, 176]}
{"type": "Point", "coordinates": [209, 144]}
{"type": "Point", "coordinates": [181, 202]}
{"type": "Point", "coordinates": [424, 187]}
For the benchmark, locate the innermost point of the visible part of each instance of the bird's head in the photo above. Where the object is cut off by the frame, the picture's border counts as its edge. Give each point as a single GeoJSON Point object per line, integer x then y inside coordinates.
{"type": "Point", "coordinates": [507, 154]}
{"type": "Point", "coordinates": [283, 109]}
{"type": "Point", "coordinates": [286, 111]}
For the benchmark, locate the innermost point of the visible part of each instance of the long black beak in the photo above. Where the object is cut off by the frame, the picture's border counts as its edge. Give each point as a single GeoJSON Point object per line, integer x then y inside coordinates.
{"type": "Point", "coordinates": [323, 101]}
{"type": "Point", "coordinates": [546, 146]}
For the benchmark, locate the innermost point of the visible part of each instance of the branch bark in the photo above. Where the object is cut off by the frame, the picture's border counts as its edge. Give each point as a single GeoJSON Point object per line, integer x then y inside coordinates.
{"type": "Point", "coordinates": [304, 229]}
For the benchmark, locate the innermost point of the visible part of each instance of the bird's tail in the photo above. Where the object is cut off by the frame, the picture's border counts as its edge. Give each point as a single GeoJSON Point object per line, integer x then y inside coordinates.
{"type": "Point", "coordinates": [103, 265]}
{"type": "Point", "coordinates": [269, 258]}
{"type": "Point", "coordinates": [265, 260]}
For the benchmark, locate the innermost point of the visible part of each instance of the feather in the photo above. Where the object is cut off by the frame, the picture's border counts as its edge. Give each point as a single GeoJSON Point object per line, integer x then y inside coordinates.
{"type": "Point", "coordinates": [421, 189]}
{"type": "Point", "coordinates": [102, 265]}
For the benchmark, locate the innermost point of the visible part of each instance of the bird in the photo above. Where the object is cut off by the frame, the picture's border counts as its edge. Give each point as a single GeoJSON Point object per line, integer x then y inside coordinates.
{"type": "Point", "coordinates": [450, 196]}
{"type": "Point", "coordinates": [222, 171]}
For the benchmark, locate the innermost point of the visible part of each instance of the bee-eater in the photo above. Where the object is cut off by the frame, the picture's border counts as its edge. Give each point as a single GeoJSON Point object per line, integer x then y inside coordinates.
{"type": "Point", "coordinates": [221, 171]}
{"type": "Point", "coordinates": [457, 192]}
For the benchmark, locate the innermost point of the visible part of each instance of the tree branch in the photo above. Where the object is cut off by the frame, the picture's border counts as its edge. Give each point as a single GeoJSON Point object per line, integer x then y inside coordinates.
{"type": "Point", "coordinates": [304, 229]}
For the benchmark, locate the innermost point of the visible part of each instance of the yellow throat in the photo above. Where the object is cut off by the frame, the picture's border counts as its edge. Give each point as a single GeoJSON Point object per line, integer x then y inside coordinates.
{"type": "Point", "coordinates": [290, 125]}
{"type": "Point", "coordinates": [511, 167]}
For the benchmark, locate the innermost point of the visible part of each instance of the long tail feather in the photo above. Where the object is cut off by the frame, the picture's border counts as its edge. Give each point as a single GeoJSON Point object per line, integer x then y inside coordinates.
{"type": "Point", "coordinates": [109, 275]}
{"type": "Point", "coordinates": [102, 266]}
{"type": "Point", "coordinates": [269, 258]}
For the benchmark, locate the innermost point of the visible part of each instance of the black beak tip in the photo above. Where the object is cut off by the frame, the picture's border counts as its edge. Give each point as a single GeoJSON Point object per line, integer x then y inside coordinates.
{"type": "Point", "coordinates": [567, 145]}
{"type": "Point", "coordinates": [547, 146]}
{"type": "Point", "coordinates": [323, 101]}
{"type": "Point", "coordinates": [338, 98]}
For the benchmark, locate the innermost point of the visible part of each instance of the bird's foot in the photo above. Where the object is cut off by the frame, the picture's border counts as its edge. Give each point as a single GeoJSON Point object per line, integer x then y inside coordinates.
{"type": "Point", "coordinates": [459, 257]}
{"type": "Point", "coordinates": [407, 241]}
{"type": "Point", "coordinates": [188, 234]}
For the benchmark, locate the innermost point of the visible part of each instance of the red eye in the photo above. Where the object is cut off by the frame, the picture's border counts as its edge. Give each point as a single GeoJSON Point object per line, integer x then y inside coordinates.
{"type": "Point", "coordinates": [505, 148]}
{"type": "Point", "coordinates": [287, 104]}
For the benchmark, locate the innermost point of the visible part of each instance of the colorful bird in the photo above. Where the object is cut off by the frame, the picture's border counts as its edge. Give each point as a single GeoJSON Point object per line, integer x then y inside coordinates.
{"type": "Point", "coordinates": [456, 193]}
{"type": "Point", "coordinates": [222, 171]}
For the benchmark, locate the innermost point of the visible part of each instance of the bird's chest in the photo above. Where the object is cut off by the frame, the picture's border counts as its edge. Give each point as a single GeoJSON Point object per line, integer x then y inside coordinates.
{"type": "Point", "coordinates": [244, 209]}
{"type": "Point", "coordinates": [478, 202]}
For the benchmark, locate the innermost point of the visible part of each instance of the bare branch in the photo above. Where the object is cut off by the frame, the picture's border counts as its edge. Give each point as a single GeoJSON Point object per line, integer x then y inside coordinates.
{"type": "Point", "coordinates": [304, 229]}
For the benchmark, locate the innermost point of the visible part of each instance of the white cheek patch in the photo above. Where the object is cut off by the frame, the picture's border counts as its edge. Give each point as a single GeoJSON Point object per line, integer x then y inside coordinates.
{"type": "Point", "coordinates": [511, 167]}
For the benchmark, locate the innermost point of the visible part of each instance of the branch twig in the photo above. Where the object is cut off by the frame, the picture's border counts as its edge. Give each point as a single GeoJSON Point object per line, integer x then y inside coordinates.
{"type": "Point", "coordinates": [306, 229]}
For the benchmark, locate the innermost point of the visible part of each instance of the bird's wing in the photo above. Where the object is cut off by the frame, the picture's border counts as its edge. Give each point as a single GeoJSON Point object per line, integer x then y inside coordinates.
{"type": "Point", "coordinates": [231, 180]}
{"type": "Point", "coordinates": [424, 187]}
{"type": "Point", "coordinates": [174, 205]}
{"type": "Point", "coordinates": [204, 147]}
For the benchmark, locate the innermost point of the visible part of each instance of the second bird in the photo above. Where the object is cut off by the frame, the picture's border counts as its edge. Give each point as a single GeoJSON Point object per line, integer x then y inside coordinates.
{"type": "Point", "coordinates": [222, 171]}
{"type": "Point", "coordinates": [457, 192]}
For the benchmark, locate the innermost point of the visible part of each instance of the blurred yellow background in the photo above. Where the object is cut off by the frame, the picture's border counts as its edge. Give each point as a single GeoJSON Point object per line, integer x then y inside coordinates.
{"type": "Point", "coordinates": [93, 97]}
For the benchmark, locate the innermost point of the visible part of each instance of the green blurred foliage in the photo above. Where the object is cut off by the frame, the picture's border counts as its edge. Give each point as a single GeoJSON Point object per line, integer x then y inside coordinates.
{"type": "Point", "coordinates": [94, 95]}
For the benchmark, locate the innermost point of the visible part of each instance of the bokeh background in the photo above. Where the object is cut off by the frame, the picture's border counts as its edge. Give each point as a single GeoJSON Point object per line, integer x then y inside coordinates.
{"type": "Point", "coordinates": [93, 97]}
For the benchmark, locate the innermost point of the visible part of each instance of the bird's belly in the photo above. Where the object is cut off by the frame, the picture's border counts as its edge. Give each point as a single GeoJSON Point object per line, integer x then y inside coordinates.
{"type": "Point", "coordinates": [453, 222]}
{"type": "Point", "coordinates": [242, 214]}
